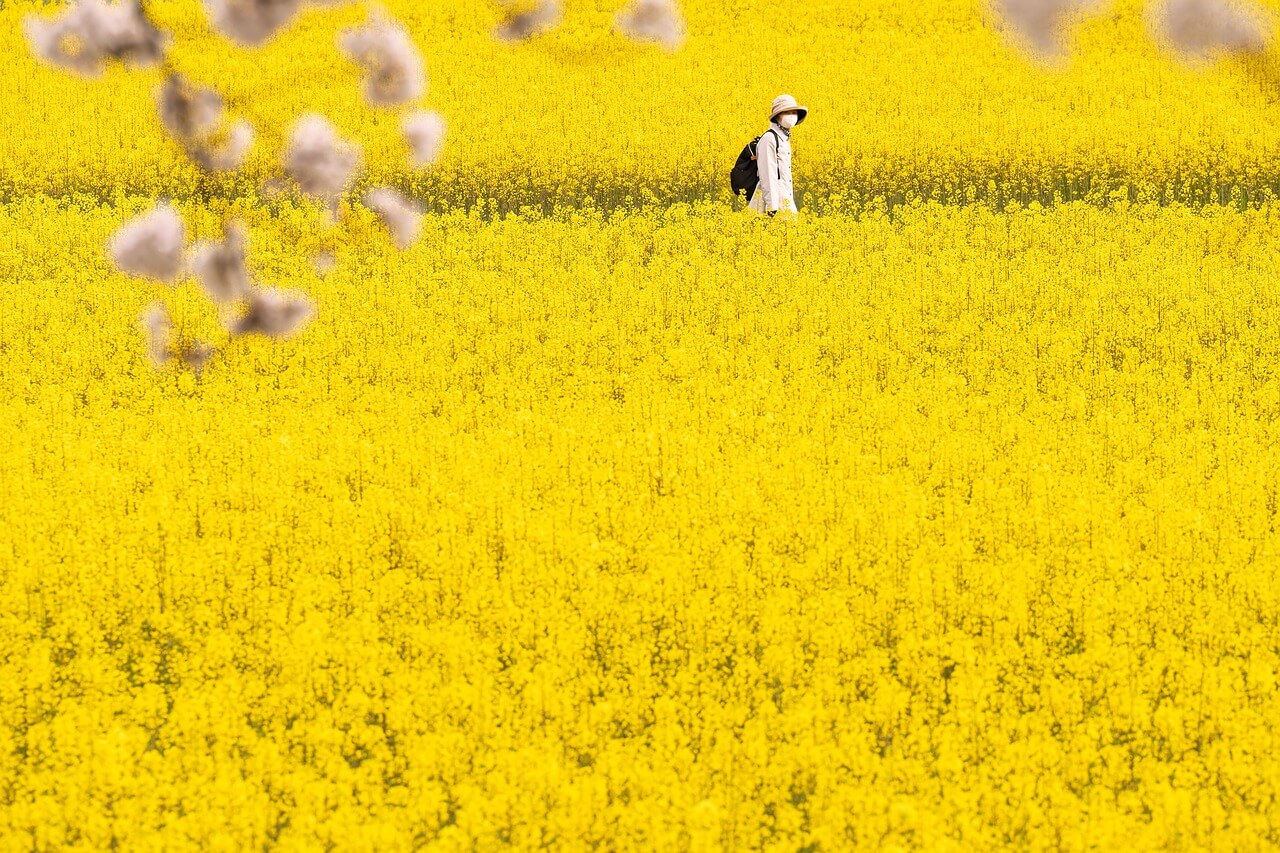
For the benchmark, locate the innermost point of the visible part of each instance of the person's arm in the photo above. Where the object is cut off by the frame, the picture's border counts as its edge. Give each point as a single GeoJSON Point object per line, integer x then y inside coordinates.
{"type": "Point", "coordinates": [767, 168]}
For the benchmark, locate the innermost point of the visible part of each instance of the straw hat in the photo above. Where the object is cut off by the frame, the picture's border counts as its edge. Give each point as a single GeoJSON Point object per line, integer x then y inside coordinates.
{"type": "Point", "coordinates": [782, 103]}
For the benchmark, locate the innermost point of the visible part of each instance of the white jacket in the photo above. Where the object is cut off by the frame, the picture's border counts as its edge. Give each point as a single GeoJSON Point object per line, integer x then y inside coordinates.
{"type": "Point", "coordinates": [773, 162]}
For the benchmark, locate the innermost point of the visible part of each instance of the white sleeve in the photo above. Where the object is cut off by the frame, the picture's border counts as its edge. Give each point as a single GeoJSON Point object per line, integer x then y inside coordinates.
{"type": "Point", "coordinates": [767, 167]}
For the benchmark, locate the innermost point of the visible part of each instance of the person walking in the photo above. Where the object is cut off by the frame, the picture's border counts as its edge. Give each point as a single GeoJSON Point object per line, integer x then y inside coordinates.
{"type": "Point", "coordinates": [773, 159]}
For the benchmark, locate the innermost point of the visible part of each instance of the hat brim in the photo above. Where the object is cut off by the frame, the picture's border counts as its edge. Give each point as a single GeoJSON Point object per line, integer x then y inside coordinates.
{"type": "Point", "coordinates": [803, 111]}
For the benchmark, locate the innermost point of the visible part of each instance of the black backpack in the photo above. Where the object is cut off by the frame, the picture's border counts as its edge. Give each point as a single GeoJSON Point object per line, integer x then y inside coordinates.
{"type": "Point", "coordinates": [745, 176]}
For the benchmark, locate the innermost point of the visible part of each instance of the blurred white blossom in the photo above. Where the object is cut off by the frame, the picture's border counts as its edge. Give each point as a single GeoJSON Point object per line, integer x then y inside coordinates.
{"type": "Point", "coordinates": [192, 115]}
{"type": "Point", "coordinates": [324, 261]}
{"type": "Point", "coordinates": [226, 153]}
{"type": "Point", "coordinates": [653, 20]}
{"type": "Point", "coordinates": [272, 187]}
{"type": "Point", "coordinates": [522, 22]}
{"type": "Point", "coordinates": [401, 216]}
{"type": "Point", "coordinates": [273, 312]}
{"type": "Point", "coordinates": [424, 131]}
{"type": "Point", "coordinates": [251, 23]}
{"type": "Point", "coordinates": [150, 245]}
{"type": "Point", "coordinates": [321, 163]}
{"type": "Point", "coordinates": [158, 329]}
{"type": "Point", "coordinates": [393, 68]}
{"type": "Point", "coordinates": [1195, 29]}
{"type": "Point", "coordinates": [188, 111]}
{"type": "Point", "coordinates": [1040, 25]}
{"type": "Point", "coordinates": [221, 268]}
{"type": "Point", "coordinates": [195, 355]}
{"type": "Point", "coordinates": [90, 32]}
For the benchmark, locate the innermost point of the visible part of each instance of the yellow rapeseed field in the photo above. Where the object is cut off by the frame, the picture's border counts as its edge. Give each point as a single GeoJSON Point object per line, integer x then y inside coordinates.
{"type": "Point", "coordinates": [608, 516]}
{"type": "Point", "coordinates": [911, 99]}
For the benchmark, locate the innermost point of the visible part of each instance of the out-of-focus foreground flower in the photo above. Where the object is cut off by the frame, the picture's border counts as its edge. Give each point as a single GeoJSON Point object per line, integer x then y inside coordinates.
{"type": "Point", "coordinates": [224, 152]}
{"type": "Point", "coordinates": [188, 111]}
{"type": "Point", "coordinates": [251, 23]}
{"type": "Point", "coordinates": [654, 20]}
{"type": "Point", "coordinates": [393, 68]}
{"type": "Point", "coordinates": [158, 329]}
{"type": "Point", "coordinates": [1040, 25]}
{"type": "Point", "coordinates": [1196, 29]}
{"type": "Point", "coordinates": [150, 245]}
{"type": "Point", "coordinates": [401, 216]}
{"type": "Point", "coordinates": [322, 164]}
{"type": "Point", "coordinates": [273, 312]}
{"type": "Point", "coordinates": [221, 268]}
{"type": "Point", "coordinates": [522, 22]}
{"type": "Point", "coordinates": [424, 131]}
{"type": "Point", "coordinates": [90, 32]}
{"type": "Point", "coordinates": [193, 115]}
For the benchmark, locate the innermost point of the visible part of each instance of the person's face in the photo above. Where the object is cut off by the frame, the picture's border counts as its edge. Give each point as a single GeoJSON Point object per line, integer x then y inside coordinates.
{"type": "Point", "coordinates": [788, 118]}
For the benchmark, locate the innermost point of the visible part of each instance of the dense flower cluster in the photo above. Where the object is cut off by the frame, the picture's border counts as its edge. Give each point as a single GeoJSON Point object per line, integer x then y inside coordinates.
{"type": "Point", "coordinates": [591, 513]}
{"type": "Point", "coordinates": [912, 101]}
{"type": "Point", "coordinates": [664, 531]}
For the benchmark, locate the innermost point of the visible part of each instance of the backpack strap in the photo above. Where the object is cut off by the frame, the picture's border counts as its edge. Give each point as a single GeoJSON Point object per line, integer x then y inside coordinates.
{"type": "Point", "coordinates": [776, 143]}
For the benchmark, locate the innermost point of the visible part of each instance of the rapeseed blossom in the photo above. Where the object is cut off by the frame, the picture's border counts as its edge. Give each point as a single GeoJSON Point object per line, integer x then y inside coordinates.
{"type": "Point", "coordinates": [953, 126]}
{"type": "Point", "coordinates": [910, 542]}
{"type": "Point", "coordinates": [604, 516]}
